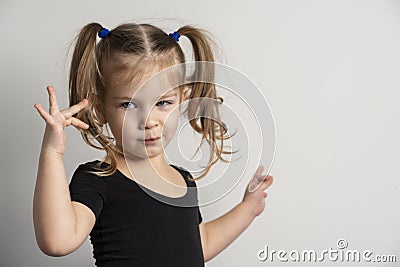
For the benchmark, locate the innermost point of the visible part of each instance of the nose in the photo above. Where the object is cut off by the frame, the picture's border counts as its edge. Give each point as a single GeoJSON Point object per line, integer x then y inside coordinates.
{"type": "Point", "coordinates": [149, 122]}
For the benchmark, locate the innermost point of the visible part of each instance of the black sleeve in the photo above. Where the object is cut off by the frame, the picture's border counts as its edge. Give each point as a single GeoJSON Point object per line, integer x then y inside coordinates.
{"type": "Point", "coordinates": [194, 185]}
{"type": "Point", "coordinates": [88, 189]}
{"type": "Point", "coordinates": [200, 217]}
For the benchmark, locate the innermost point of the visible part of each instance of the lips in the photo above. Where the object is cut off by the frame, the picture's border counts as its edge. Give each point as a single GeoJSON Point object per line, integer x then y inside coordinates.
{"type": "Point", "coordinates": [152, 139]}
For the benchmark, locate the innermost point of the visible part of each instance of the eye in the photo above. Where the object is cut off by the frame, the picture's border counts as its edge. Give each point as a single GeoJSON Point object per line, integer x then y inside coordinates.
{"type": "Point", "coordinates": [127, 105]}
{"type": "Point", "coordinates": [166, 103]}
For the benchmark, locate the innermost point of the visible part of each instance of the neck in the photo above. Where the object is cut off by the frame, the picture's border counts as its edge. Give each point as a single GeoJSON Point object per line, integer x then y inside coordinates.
{"type": "Point", "coordinates": [159, 162]}
{"type": "Point", "coordinates": [145, 171]}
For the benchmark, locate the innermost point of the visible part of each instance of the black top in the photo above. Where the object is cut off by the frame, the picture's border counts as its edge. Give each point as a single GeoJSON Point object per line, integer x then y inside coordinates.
{"type": "Point", "coordinates": [133, 228]}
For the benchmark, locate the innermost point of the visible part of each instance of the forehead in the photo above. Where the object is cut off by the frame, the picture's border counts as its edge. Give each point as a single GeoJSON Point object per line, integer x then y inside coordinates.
{"type": "Point", "coordinates": [149, 81]}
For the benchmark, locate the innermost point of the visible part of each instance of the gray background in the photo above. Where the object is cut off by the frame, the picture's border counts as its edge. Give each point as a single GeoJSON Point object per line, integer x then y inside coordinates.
{"type": "Point", "coordinates": [330, 72]}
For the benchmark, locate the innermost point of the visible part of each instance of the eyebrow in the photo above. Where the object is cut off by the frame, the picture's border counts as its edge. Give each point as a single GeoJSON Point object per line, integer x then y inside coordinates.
{"type": "Point", "coordinates": [170, 94]}
{"type": "Point", "coordinates": [173, 93]}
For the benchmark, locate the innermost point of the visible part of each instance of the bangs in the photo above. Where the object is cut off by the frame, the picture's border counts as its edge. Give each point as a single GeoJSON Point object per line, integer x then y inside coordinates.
{"type": "Point", "coordinates": [135, 71]}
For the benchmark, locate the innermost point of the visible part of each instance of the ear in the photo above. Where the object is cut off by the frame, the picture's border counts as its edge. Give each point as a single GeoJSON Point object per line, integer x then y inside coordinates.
{"type": "Point", "coordinates": [185, 93]}
{"type": "Point", "coordinates": [99, 110]}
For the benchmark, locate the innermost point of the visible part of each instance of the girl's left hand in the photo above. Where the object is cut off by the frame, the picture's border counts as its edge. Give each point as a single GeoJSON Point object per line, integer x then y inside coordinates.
{"type": "Point", "coordinates": [256, 200]}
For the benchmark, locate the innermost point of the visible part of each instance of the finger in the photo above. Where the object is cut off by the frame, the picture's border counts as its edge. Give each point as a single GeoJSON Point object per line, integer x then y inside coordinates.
{"type": "Point", "coordinates": [52, 100]}
{"type": "Point", "coordinates": [46, 116]}
{"type": "Point", "coordinates": [258, 177]}
{"type": "Point", "coordinates": [79, 124]}
{"type": "Point", "coordinates": [69, 112]}
{"type": "Point", "coordinates": [254, 185]}
{"type": "Point", "coordinates": [259, 170]}
{"type": "Point", "coordinates": [267, 183]}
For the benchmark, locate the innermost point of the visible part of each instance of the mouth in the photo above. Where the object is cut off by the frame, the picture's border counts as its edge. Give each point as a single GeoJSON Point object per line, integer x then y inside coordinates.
{"type": "Point", "coordinates": [152, 139]}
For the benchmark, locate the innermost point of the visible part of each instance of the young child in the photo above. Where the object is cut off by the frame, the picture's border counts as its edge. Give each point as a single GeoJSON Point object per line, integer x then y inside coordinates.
{"type": "Point", "coordinates": [127, 226]}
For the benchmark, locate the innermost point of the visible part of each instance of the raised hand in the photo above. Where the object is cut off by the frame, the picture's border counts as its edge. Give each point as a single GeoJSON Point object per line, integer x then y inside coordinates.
{"type": "Point", "coordinates": [255, 195]}
{"type": "Point", "coordinates": [54, 138]}
{"type": "Point", "coordinates": [257, 179]}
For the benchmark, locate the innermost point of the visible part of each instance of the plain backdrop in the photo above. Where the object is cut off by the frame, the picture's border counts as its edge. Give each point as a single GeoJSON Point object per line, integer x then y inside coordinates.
{"type": "Point", "coordinates": [329, 69]}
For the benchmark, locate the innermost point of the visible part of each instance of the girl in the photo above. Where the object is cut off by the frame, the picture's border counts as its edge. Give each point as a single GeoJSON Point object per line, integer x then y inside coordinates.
{"type": "Point", "coordinates": [127, 226]}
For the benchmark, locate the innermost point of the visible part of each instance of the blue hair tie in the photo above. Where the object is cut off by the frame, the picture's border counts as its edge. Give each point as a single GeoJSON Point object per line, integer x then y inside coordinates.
{"type": "Point", "coordinates": [103, 33]}
{"type": "Point", "coordinates": [175, 35]}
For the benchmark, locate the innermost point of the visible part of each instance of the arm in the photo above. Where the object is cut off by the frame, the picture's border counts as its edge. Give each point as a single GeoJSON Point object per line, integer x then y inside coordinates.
{"type": "Point", "coordinates": [216, 235]}
{"type": "Point", "coordinates": [60, 224]}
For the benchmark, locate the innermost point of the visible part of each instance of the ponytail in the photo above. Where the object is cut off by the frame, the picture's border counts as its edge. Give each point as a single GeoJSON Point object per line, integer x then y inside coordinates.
{"type": "Point", "coordinates": [203, 88]}
{"type": "Point", "coordinates": [84, 82]}
{"type": "Point", "coordinates": [82, 78]}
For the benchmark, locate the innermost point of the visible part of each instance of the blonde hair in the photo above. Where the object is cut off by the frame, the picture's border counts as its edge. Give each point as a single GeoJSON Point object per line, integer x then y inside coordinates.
{"type": "Point", "coordinates": [143, 41]}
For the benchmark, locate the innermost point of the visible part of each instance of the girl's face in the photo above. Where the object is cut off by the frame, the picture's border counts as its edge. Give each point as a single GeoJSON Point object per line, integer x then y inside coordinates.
{"type": "Point", "coordinates": [143, 120]}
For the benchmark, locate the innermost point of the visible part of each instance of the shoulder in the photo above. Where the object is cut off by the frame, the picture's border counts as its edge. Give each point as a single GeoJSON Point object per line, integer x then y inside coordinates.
{"type": "Point", "coordinates": [89, 166]}
{"type": "Point", "coordinates": [84, 172]}
{"type": "Point", "coordinates": [186, 174]}
{"type": "Point", "coordinates": [182, 170]}
{"type": "Point", "coordinates": [83, 180]}
{"type": "Point", "coordinates": [88, 188]}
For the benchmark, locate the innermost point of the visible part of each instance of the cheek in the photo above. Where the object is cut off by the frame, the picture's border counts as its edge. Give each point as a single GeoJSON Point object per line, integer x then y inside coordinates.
{"type": "Point", "coordinates": [128, 125]}
{"type": "Point", "coordinates": [171, 123]}
{"type": "Point", "coordinates": [116, 122]}
{"type": "Point", "coordinates": [116, 130]}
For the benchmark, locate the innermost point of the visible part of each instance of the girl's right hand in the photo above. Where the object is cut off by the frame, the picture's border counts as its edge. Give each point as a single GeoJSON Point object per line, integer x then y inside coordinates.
{"type": "Point", "coordinates": [56, 120]}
